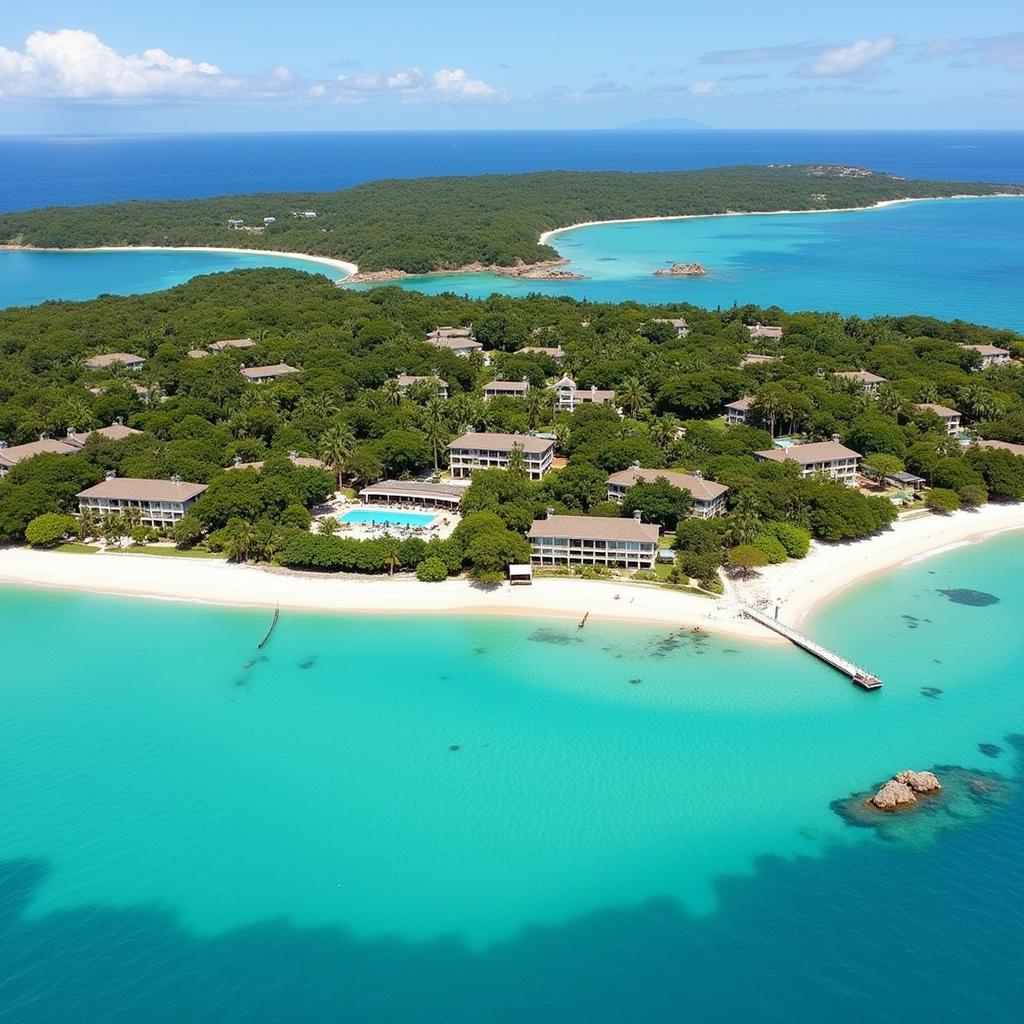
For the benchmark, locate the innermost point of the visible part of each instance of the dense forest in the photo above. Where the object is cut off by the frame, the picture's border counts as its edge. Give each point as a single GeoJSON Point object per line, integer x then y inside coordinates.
{"type": "Point", "coordinates": [430, 224]}
{"type": "Point", "coordinates": [198, 415]}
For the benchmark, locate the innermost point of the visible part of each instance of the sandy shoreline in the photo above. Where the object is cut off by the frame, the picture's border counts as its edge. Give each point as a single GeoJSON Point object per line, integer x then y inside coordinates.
{"type": "Point", "coordinates": [348, 269]}
{"type": "Point", "coordinates": [543, 240]}
{"type": "Point", "coordinates": [796, 587]}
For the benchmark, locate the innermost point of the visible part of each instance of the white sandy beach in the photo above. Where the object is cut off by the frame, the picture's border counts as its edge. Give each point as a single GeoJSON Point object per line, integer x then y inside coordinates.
{"type": "Point", "coordinates": [796, 586]}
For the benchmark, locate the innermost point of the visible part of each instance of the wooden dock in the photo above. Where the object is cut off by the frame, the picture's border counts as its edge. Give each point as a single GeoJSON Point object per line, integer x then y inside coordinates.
{"type": "Point", "coordinates": [861, 676]}
{"type": "Point", "coordinates": [273, 623]}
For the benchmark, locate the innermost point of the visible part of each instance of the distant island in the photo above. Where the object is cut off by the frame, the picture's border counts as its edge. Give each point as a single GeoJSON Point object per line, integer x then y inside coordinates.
{"type": "Point", "coordinates": [437, 225]}
{"type": "Point", "coordinates": [682, 270]}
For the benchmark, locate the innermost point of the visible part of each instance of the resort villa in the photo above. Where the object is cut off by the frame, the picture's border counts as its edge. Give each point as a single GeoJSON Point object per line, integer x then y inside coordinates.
{"type": "Point", "coordinates": [950, 417]}
{"type": "Point", "coordinates": [115, 432]}
{"type": "Point", "coordinates": [682, 328]}
{"type": "Point", "coordinates": [509, 388]}
{"type": "Point", "coordinates": [708, 497]}
{"type": "Point", "coordinates": [109, 359]}
{"type": "Point", "coordinates": [459, 340]}
{"type": "Point", "coordinates": [197, 353]}
{"type": "Point", "coordinates": [558, 354]}
{"type": "Point", "coordinates": [594, 540]}
{"type": "Point", "coordinates": [754, 359]}
{"type": "Point", "coordinates": [261, 374]}
{"type": "Point", "coordinates": [826, 457]}
{"type": "Point", "coordinates": [221, 346]}
{"type": "Point", "coordinates": [736, 412]}
{"type": "Point", "coordinates": [991, 355]}
{"type": "Point", "coordinates": [405, 381]}
{"type": "Point", "coordinates": [869, 382]}
{"type": "Point", "coordinates": [160, 503]}
{"type": "Point", "coordinates": [491, 451]}
{"type": "Point", "coordinates": [568, 396]}
{"type": "Point", "coordinates": [11, 456]}
{"type": "Point", "coordinates": [763, 331]}
{"type": "Point", "coordinates": [302, 461]}
{"type": "Point", "coordinates": [1006, 446]}
{"type": "Point", "coordinates": [413, 492]}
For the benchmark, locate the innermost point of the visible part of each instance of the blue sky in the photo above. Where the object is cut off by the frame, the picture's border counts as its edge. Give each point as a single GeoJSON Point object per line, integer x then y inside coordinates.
{"type": "Point", "coordinates": [214, 65]}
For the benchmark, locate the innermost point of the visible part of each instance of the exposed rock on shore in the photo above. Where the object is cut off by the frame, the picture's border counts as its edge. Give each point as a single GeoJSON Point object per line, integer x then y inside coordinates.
{"type": "Point", "coordinates": [682, 270]}
{"type": "Point", "coordinates": [545, 270]}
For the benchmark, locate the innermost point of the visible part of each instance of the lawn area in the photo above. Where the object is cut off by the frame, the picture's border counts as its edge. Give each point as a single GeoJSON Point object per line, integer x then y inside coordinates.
{"type": "Point", "coordinates": [77, 549]}
{"type": "Point", "coordinates": [166, 552]}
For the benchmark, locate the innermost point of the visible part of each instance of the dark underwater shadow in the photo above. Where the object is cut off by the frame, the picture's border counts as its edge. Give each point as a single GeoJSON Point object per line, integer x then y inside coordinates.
{"type": "Point", "coordinates": [865, 933]}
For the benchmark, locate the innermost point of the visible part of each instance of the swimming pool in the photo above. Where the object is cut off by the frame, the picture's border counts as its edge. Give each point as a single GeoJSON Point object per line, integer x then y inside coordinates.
{"type": "Point", "coordinates": [382, 517]}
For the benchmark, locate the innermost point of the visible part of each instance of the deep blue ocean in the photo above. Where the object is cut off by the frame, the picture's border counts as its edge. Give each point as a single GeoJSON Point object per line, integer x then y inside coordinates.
{"type": "Point", "coordinates": [70, 170]}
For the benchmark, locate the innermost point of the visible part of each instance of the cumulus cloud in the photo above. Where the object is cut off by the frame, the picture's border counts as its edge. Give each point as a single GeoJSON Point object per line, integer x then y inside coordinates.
{"type": "Point", "coordinates": [71, 64]}
{"type": "Point", "coordinates": [702, 89]}
{"type": "Point", "coordinates": [849, 61]}
{"type": "Point", "coordinates": [455, 82]}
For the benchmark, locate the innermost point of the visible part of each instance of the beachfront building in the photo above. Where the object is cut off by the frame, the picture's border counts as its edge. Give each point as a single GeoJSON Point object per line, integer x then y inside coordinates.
{"type": "Point", "coordinates": [737, 413]}
{"type": "Point", "coordinates": [115, 432]}
{"type": "Point", "coordinates": [682, 328]}
{"type": "Point", "coordinates": [236, 224]}
{"type": "Point", "coordinates": [483, 450]}
{"type": "Point", "coordinates": [869, 382]}
{"type": "Point", "coordinates": [222, 346]}
{"type": "Point", "coordinates": [558, 354]}
{"type": "Point", "coordinates": [829, 458]}
{"type": "Point", "coordinates": [754, 359]}
{"type": "Point", "coordinates": [160, 503]}
{"type": "Point", "coordinates": [106, 360]}
{"type": "Point", "coordinates": [708, 497]}
{"type": "Point", "coordinates": [950, 417]}
{"type": "Point", "coordinates": [413, 492]}
{"type": "Point", "coordinates": [262, 374]}
{"type": "Point", "coordinates": [406, 381]}
{"type": "Point", "coordinates": [764, 331]}
{"type": "Point", "coordinates": [506, 388]}
{"type": "Point", "coordinates": [991, 355]}
{"type": "Point", "coordinates": [11, 455]}
{"type": "Point", "coordinates": [459, 340]}
{"type": "Point", "coordinates": [1006, 446]}
{"type": "Point", "coordinates": [568, 397]}
{"type": "Point", "coordinates": [594, 540]}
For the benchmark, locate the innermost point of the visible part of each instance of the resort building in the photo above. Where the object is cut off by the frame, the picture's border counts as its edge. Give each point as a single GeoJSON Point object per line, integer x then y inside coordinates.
{"type": "Point", "coordinates": [160, 502]}
{"type": "Point", "coordinates": [197, 353]}
{"type": "Point", "coordinates": [236, 224]}
{"type": "Point", "coordinates": [267, 221]}
{"type": "Point", "coordinates": [950, 417]}
{"type": "Point", "coordinates": [869, 382]}
{"type": "Point", "coordinates": [763, 331]}
{"type": "Point", "coordinates": [568, 397]}
{"type": "Point", "coordinates": [405, 381]}
{"type": "Point", "coordinates": [826, 457]}
{"type": "Point", "coordinates": [11, 456]}
{"type": "Point", "coordinates": [754, 359]}
{"type": "Point", "coordinates": [302, 461]}
{"type": "Point", "coordinates": [991, 355]}
{"type": "Point", "coordinates": [221, 346]}
{"type": "Point", "coordinates": [109, 359]}
{"type": "Point", "coordinates": [558, 354]}
{"type": "Point", "coordinates": [594, 540]}
{"type": "Point", "coordinates": [261, 374]}
{"type": "Point", "coordinates": [413, 492]}
{"type": "Point", "coordinates": [459, 340]}
{"type": "Point", "coordinates": [736, 413]}
{"type": "Point", "coordinates": [509, 388]}
{"type": "Point", "coordinates": [682, 328]}
{"type": "Point", "coordinates": [1006, 446]}
{"type": "Point", "coordinates": [491, 451]}
{"type": "Point", "coordinates": [115, 432]}
{"type": "Point", "coordinates": [708, 497]}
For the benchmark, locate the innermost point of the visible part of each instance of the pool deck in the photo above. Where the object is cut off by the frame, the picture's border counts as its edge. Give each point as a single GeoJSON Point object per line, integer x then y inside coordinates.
{"type": "Point", "coordinates": [442, 526]}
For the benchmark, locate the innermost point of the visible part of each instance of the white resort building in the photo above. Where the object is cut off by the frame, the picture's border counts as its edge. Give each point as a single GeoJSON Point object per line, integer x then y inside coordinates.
{"type": "Point", "coordinates": [558, 354]}
{"type": "Point", "coordinates": [764, 331]}
{"type": "Point", "coordinates": [869, 382]}
{"type": "Point", "coordinates": [262, 374]}
{"type": "Point", "coordinates": [829, 458]}
{"type": "Point", "coordinates": [405, 381]}
{"type": "Point", "coordinates": [459, 340]}
{"type": "Point", "coordinates": [950, 417]}
{"type": "Point", "coordinates": [115, 432]}
{"type": "Point", "coordinates": [594, 540]}
{"type": "Point", "coordinates": [413, 492]}
{"type": "Point", "coordinates": [568, 397]}
{"type": "Point", "coordinates": [754, 359]}
{"type": "Point", "coordinates": [991, 355]}
{"type": "Point", "coordinates": [221, 346]}
{"type": "Point", "coordinates": [491, 451]}
{"type": "Point", "coordinates": [108, 359]}
{"type": "Point", "coordinates": [508, 388]}
{"type": "Point", "coordinates": [160, 503]}
{"type": "Point", "coordinates": [736, 413]}
{"type": "Point", "coordinates": [11, 455]}
{"type": "Point", "coordinates": [1006, 446]}
{"type": "Point", "coordinates": [682, 328]}
{"type": "Point", "coordinates": [708, 497]}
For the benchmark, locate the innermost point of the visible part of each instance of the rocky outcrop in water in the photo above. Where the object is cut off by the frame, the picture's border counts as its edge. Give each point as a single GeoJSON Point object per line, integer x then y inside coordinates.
{"type": "Point", "coordinates": [920, 782]}
{"type": "Point", "coordinates": [894, 795]}
{"type": "Point", "coordinates": [682, 270]}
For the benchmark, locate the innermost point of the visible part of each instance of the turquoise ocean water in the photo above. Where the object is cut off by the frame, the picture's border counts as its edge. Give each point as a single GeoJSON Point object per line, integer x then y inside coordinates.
{"type": "Point", "coordinates": [953, 258]}
{"type": "Point", "coordinates": [470, 819]}
{"type": "Point", "coordinates": [27, 278]}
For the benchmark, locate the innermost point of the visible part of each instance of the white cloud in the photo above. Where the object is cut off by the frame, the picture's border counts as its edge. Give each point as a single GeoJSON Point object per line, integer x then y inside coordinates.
{"type": "Point", "coordinates": [455, 82]}
{"type": "Point", "coordinates": [846, 61]}
{"type": "Point", "coordinates": [71, 64]}
{"type": "Point", "coordinates": [404, 80]}
{"type": "Point", "coordinates": [702, 89]}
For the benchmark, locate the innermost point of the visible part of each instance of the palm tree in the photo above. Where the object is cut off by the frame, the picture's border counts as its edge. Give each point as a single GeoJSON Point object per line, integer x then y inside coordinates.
{"type": "Point", "coordinates": [327, 527]}
{"type": "Point", "coordinates": [238, 544]}
{"type": "Point", "coordinates": [391, 391]}
{"type": "Point", "coordinates": [538, 403]}
{"type": "Point", "coordinates": [436, 429]}
{"type": "Point", "coordinates": [319, 405]}
{"type": "Point", "coordinates": [928, 393]}
{"type": "Point", "coordinates": [336, 446]}
{"type": "Point", "coordinates": [516, 461]}
{"type": "Point", "coordinates": [88, 524]}
{"type": "Point", "coordinates": [890, 401]}
{"type": "Point", "coordinates": [632, 394]}
{"type": "Point", "coordinates": [769, 403]}
{"type": "Point", "coordinates": [664, 431]}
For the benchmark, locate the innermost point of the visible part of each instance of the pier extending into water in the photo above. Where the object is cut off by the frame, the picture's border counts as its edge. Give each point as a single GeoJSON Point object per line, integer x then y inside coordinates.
{"type": "Point", "coordinates": [861, 676]}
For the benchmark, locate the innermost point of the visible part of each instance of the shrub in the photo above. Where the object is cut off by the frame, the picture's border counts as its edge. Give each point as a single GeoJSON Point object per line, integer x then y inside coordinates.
{"type": "Point", "coordinates": [942, 500]}
{"type": "Point", "coordinates": [431, 570]}
{"type": "Point", "coordinates": [646, 575]}
{"type": "Point", "coordinates": [771, 547]}
{"type": "Point", "coordinates": [747, 558]}
{"type": "Point", "coordinates": [48, 529]}
{"type": "Point", "coordinates": [972, 496]}
{"type": "Point", "coordinates": [296, 516]}
{"type": "Point", "coordinates": [795, 539]}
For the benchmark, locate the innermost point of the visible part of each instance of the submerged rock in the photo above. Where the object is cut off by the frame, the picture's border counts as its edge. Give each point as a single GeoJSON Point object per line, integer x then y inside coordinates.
{"type": "Point", "coordinates": [682, 270]}
{"type": "Point", "coordinates": [894, 795]}
{"type": "Point", "coordinates": [920, 782]}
